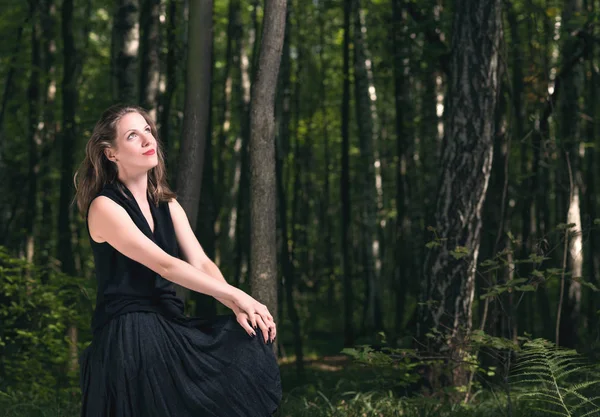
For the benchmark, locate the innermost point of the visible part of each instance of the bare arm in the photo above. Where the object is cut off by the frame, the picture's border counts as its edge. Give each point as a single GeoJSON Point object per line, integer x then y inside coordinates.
{"type": "Point", "coordinates": [109, 222]}
{"type": "Point", "coordinates": [192, 251]}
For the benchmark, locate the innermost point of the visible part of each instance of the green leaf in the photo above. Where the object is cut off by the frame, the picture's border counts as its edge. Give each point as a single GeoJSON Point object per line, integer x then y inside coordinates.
{"type": "Point", "coordinates": [528, 287]}
{"type": "Point", "coordinates": [460, 252]}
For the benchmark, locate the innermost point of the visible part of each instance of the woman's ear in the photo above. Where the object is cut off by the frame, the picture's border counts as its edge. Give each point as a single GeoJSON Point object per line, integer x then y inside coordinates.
{"type": "Point", "coordinates": [110, 155]}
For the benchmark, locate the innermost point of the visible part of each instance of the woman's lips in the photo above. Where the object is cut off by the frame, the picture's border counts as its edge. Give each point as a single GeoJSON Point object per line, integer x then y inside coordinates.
{"type": "Point", "coordinates": [150, 152]}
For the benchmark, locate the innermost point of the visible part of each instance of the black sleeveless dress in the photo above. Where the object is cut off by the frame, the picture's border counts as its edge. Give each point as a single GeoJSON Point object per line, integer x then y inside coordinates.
{"type": "Point", "coordinates": [147, 359]}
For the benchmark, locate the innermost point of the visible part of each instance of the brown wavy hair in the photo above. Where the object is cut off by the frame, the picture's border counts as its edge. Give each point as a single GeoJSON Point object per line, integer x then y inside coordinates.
{"type": "Point", "coordinates": [96, 170]}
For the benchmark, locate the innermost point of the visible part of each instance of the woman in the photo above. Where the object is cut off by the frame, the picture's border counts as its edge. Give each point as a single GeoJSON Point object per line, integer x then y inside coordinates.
{"type": "Point", "coordinates": [146, 358]}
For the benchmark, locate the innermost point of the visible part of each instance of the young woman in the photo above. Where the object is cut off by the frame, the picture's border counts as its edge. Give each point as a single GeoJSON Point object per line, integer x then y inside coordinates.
{"type": "Point", "coordinates": [147, 358]}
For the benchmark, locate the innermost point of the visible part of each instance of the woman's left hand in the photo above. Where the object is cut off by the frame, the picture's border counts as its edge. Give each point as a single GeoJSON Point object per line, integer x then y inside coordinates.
{"type": "Point", "coordinates": [268, 328]}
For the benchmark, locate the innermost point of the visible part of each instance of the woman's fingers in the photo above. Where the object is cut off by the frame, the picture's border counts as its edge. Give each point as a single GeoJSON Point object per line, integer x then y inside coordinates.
{"type": "Point", "coordinates": [269, 331]}
{"type": "Point", "coordinates": [273, 331]}
{"type": "Point", "coordinates": [266, 313]}
{"type": "Point", "coordinates": [242, 319]}
{"type": "Point", "coordinates": [263, 326]}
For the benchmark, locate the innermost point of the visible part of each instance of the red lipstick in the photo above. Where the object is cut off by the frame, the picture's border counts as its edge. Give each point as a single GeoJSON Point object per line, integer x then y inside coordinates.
{"type": "Point", "coordinates": [150, 152]}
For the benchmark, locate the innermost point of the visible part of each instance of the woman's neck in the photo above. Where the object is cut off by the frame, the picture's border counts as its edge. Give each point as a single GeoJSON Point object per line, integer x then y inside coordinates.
{"type": "Point", "coordinates": [138, 186]}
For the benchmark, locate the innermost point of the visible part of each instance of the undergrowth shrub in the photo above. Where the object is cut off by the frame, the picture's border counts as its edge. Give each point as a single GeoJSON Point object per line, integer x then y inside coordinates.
{"type": "Point", "coordinates": [36, 306]}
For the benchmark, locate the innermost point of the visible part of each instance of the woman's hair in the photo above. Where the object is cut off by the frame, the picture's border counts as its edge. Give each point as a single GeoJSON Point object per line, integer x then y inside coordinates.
{"type": "Point", "coordinates": [96, 170]}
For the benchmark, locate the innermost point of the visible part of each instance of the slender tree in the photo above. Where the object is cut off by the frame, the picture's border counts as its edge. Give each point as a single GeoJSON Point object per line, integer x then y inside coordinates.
{"type": "Point", "coordinates": [572, 179]}
{"type": "Point", "coordinates": [263, 251]}
{"type": "Point", "coordinates": [34, 96]}
{"type": "Point", "coordinates": [366, 116]}
{"type": "Point", "coordinates": [170, 79]}
{"type": "Point", "coordinates": [69, 134]}
{"type": "Point", "coordinates": [195, 123]}
{"type": "Point", "coordinates": [345, 184]}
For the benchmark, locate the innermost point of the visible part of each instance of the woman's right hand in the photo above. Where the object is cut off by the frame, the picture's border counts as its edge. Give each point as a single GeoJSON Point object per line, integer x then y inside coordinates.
{"type": "Point", "coordinates": [252, 307]}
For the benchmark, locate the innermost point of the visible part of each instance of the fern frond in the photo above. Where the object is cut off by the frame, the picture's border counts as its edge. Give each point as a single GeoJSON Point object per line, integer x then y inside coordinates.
{"type": "Point", "coordinates": [546, 375]}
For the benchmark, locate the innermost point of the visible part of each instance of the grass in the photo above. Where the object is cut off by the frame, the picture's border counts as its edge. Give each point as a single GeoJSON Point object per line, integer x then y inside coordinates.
{"type": "Point", "coordinates": [333, 386]}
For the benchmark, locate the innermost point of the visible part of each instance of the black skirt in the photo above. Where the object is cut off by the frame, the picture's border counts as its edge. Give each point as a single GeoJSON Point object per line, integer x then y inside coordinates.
{"type": "Point", "coordinates": [144, 364]}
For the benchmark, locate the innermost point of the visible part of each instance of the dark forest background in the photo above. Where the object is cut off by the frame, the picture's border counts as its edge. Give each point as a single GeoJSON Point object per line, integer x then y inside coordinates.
{"type": "Point", "coordinates": [432, 183]}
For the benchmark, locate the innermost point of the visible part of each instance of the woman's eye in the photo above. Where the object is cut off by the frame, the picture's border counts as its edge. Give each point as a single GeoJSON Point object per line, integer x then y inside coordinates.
{"type": "Point", "coordinates": [148, 129]}
{"type": "Point", "coordinates": [131, 135]}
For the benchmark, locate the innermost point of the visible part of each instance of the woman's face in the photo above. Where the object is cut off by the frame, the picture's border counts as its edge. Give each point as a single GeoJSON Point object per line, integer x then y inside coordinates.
{"type": "Point", "coordinates": [135, 149]}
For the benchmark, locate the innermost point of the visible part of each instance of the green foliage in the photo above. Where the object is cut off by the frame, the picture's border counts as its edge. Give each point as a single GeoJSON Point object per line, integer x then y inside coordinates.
{"type": "Point", "coordinates": [400, 360]}
{"type": "Point", "coordinates": [556, 381]}
{"type": "Point", "coordinates": [34, 318]}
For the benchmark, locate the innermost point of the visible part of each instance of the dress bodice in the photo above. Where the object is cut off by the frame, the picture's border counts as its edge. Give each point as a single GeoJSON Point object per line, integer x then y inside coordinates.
{"type": "Point", "coordinates": [125, 285]}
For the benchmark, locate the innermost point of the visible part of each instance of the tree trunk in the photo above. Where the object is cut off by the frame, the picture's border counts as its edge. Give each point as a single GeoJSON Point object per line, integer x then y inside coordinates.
{"type": "Point", "coordinates": [263, 250]}
{"type": "Point", "coordinates": [367, 127]}
{"type": "Point", "coordinates": [239, 219]}
{"type": "Point", "coordinates": [206, 305]}
{"type": "Point", "coordinates": [282, 146]}
{"type": "Point", "coordinates": [171, 81]}
{"type": "Point", "coordinates": [69, 104]}
{"type": "Point", "coordinates": [48, 12]}
{"type": "Point", "coordinates": [591, 157]}
{"type": "Point", "coordinates": [224, 121]}
{"type": "Point", "coordinates": [34, 133]}
{"type": "Point", "coordinates": [570, 138]}
{"type": "Point", "coordinates": [345, 185]}
{"type": "Point", "coordinates": [327, 220]}
{"type": "Point", "coordinates": [125, 38]}
{"type": "Point", "coordinates": [403, 242]}
{"type": "Point", "coordinates": [464, 172]}
{"type": "Point", "coordinates": [195, 123]}
{"type": "Point", "coordinates": [150, 64]}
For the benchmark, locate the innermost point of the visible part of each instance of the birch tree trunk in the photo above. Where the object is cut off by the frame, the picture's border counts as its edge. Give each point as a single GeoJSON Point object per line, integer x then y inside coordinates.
{"type": "Point", "coordinates": [464, 172]}
{"type": "Point", "coordinates": [570, 137]}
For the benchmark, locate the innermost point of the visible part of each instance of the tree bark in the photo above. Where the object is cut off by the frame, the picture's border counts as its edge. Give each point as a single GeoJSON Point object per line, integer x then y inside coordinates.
{"type": "Point", "coordinates": [239, 219]}
{"type": "Point", "coordinates": [282, 146]}
{"type": "Point", "coordinates": [464, 173]}
{"type": "Point", "coordinates": [345, 185]}
{"type": "Point", "coordinates": [591, 184]}
{"type": "Point", "coordinates": [263, 250]}
{"type": "Point", "coordinates": [171, 80]}
{"type": "Point", "coordinates": [69, 104]}
{"type": "Point", "coordinates": [367, 127]}
{"type": "Point", "coordinates": [570, 137]}
{"type": "Point", "coordinates": [125, 38]}
{"type": "Point", "coordinates": [403, 246]}
{"type": "Point", "coordinates": [150, 64]}
{"type": "Point", "coordinates": [195, 122]}
{"type": "Point", "coordinates": [48, 16]}
{"type": "Point", "coordinates": [34, 134]}
{"type": "Point", "coordinates": [224, 123]}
